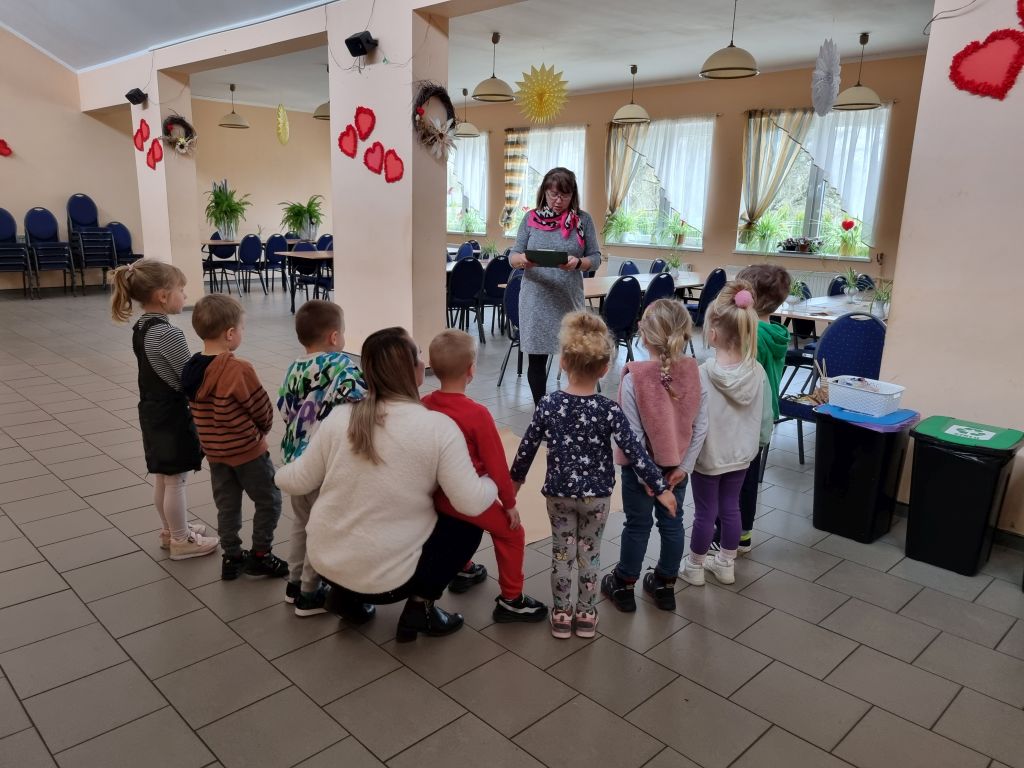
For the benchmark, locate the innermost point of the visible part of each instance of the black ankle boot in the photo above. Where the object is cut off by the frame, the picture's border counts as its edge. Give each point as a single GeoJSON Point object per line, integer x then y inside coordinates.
{"type": "Point", "coordinates": [425, 617]}
{"type": "Point", "coordinates": [619, 591]}
{"type": "Point", "coordinates": [662, 590]}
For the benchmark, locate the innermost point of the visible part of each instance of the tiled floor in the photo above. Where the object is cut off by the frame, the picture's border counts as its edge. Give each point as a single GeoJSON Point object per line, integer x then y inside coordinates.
{"type": "Point", "coordinates": [824, 653]}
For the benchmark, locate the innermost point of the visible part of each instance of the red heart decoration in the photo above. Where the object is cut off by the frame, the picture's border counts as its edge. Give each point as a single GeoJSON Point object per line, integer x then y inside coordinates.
{"type": "Point", "coordinates": [989, 68]}
{"type": "Point", "coordinates": [5, 149]}
{"type": "Point", "coordinates": [144, 126]}
{"type": "Point", "coordinates": [366, 120]}
{"type": "Point", "coordinates": [1020, 11]}
{"type": "Point", "coordinates": [140, 142]}
{"type": "Point", "coordinates": [347, 142]}
{"type": "Point", "coordinates": [150, 160]}
{"type": "Point", "coordinates": [394, 168]}
{"type": "Point", "coordinates": [849, 224]}
{"type": "Point", "coordinates": [156, 148]}
{"type": "Point", "coordinates": [373, 158]}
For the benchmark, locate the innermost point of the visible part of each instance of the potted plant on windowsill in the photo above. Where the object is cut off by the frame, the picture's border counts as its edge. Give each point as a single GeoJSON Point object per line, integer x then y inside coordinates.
{"type": "Point", "coordinates": [225, 210]}
{"type": "Point", "coordinates": [882, 299]}
{"type": "Point", "coordinates": [849, 238]}
{"type": "Point", "coordinates": [673, 262]}
{"type": "Point", "coordinates": [617, 226]}
{"type": "Point", "coordinates": [303, 218]}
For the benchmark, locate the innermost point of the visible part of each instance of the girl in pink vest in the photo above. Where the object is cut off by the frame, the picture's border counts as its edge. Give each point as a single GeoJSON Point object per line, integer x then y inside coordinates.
{"type": "Point", "coordinates": [663, 402]}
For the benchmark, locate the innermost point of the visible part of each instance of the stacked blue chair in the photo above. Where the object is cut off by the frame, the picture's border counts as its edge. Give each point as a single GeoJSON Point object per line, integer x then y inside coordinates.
{"type": "Point", "coordinates": [511, 304]}
{"type": "Point", "coordinates": [658, 265]}
{"type": "Point", "coordinates": [123, 251]}
{"type": "Point", "coordinates": [628, 268]}
{"type": "Point", "coordinates": [496, 274]}
{"type": "Point", "coordinates": [14, 255]}
{"type": "Point", "coordinates": [465, 289]}
{"type": "Point", "coordinates": [273, 263]}
{"type": "Point", "coordinates": [92, 246]}
{"type": "Point", "coordinates": [49, 253]}
{"type": "Point", "coordinates": [621, 309]}
{"type": "Point", "coordinates": [250, 260]}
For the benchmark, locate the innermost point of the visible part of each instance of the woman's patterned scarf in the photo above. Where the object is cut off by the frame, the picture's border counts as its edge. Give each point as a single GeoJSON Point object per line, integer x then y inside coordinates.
{"type": "Point", "coordinates": [547, 220]}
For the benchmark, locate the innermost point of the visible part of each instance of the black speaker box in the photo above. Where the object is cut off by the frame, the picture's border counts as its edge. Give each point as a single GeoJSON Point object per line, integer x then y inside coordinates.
{"type": "Point", "coordinates": [136, 96]}
{"type": "Point", "coordinates": [360, 44]}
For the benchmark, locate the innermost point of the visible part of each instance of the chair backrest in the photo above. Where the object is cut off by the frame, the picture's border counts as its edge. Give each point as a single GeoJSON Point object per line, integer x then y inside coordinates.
{"type": "Point", "coordinates": [325, 242]}
{"type": "Point", "coordinates": [291, 235]}
{"type": "Point", "coordinates": [622, 306]}
{"type": "Point", "coordinates": [81, 212]}
{"type": "Point", "coordinates": [658, 265]}
{"type": "Point", "coordinates": [628, 268]}
{"type": "Point", "coordinates": [496, 273]}
{"type": "Point", "coordinates": [712, 287]}
{"type": "Point", "coordinates": [275, 244]}
{"type": "Point", "coordinates": [122, 238]}
{"type": "Point", "coordinates": [852, 346]}
{"type": "Point", "coordinates": [465, 251]}
{"type": "Point", "coordinates": [805, 291]}
{"type": "Point", "coordinates": [865, 283]}
{"type": "Point", "coordinates": [475, 244]}
{"type": "Point", "coordinates": [250, 249]}
{"type": "Point", "coordinates": [221, 251]}
{"type": "Point", "coordinates": [41, 226]}
{"type": "Point", "coordinates": [662, 286]}
{"type": "Point", "coordinates": [8, 228]}
{"type": "Point", "coordinates": [305, 245]}
{"type": "Point", "coordinates": [467, 280]}
{"type": "Point", "coordinates": [511, 299]}
{"type": "Point", "coordinates": [836, 286]}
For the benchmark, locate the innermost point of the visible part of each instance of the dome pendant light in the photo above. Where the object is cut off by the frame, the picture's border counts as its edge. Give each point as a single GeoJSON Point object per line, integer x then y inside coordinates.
{"type": "Point", "coordinates": [729, 63]}
{"type": "Point", "coordinates": [233, 119]}
{"type": "Point", "coordinates": [858, 97]}
{"type": "Point", "coordinates": [465, 129]}
{"type": "Point", "coordinates": [323, 112]}
{"type": "Point", "coordinates": [632, 112]}
{"type": "Point", "coordinates": [493, 89]}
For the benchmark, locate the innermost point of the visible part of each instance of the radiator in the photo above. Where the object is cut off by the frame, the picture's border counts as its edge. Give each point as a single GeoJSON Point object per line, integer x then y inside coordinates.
{"type": "Point", "coordinates": [817, 281]}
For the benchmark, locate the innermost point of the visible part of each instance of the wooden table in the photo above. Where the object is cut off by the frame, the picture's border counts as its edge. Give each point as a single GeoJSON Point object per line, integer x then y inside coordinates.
{"type": "Point", "coordinates": [291, 257]}
{"type": "Point", "coordinates": [598, 287]}
{"type": "Point", "coordinates": [825, 309]}
{"type": "Point", "coordinates": [233, 243]}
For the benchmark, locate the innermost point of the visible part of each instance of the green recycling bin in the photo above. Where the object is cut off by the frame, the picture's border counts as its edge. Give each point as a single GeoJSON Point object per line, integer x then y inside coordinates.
{"type": "Point", "coordinates": [960, 474]}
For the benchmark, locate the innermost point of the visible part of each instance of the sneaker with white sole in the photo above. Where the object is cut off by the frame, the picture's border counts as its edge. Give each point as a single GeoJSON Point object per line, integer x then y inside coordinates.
{"type": "Point", "coordinates": [165, 535]}
{"type": "Point", "coordinates": [561, 625]}
{"type": "Point", "coordinates": [586, 623]}
{"type": "Point", "coordinates": [746, 543]}
{"type": "Point", "coordinates": [195, 545]}
{"type": "Point", "coordinates": [723, 570]}
{"type": "Point", "coordinates": [312, 603]}
{"type": "Point", "coordinates": [692, 573]}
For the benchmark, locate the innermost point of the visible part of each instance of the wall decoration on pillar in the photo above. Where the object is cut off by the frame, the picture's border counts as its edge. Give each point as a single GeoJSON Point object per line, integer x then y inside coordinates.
{"type": "Point", "coordinates": [283, 131]}
{"type": "Point", "coordinates": [541, 94]}
{"type": "Point", "coordinates": [5, 148]}
{"type": "Point", "coordinates": [365, 122]}
{"type": "Point", "coordinates": [155, 154]}
{"type": "Point", "coordinates": [990, 68]}
{"type": "Point", "coordinates": [394, 168]}
{"type": "Point", "coordinates": [141, 135]}
{"type": "Point", "coordinates": [179, 134]}
{"type": "Point", "coordinates": [348, 142]}
{"type": "Point", "coordinates": [435, 133]}
{"type": "Point", "coordinates": [376, 158]}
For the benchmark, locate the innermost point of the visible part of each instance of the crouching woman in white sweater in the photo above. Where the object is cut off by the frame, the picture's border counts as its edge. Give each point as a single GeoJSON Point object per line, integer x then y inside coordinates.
{"type": "Point", "coordinates": [373, 532]}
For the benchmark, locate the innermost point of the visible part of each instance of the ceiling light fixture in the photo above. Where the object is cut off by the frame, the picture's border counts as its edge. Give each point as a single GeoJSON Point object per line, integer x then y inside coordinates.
{"type": "Point", "coordinates": [493, 89]}
{"type": "Point", "coordinates": [729, 63]}
{"type": "Point", "coordinates": [233, 119]}
{"type": "Point", "coordinates": [465, 129]}
{"type": "Point", "coordinates": [859, 96]}
{"type": "Point", "coordinates": [323, 112]}
{"type": "Point", "coordinates": [632, 112]}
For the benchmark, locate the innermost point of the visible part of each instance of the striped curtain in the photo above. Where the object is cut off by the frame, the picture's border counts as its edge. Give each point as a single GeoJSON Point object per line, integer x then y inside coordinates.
{"type": "Point", "coordinates": [515, 172]}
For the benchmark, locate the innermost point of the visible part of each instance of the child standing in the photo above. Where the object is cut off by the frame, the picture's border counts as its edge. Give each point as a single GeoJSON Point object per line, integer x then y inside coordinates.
{"type": "Point", "coordinates": [233, 415]}
{"type": "Point", "coordinates": [453, 360]}
{"type": "Point", "coordinates": [168, 435]}
{"type": "Point", "coordinates": [667, 411]}
{"type": "Point", "coordinates": [739, 421]}
{"type": "Point", "coordinates": [578, 427]}
{"type": "Point", "coordinates": [313, 385]}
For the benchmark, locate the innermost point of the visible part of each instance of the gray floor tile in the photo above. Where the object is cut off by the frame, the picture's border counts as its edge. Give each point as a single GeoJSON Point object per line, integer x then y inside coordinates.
{"type": "Point", "coordinates": [8, 530]}
{"type": "Point", "coordinates": [55, 661]}
{"type": "Point", "coordinates": [709, 659]}
{"type": "Point", "coordinates": [21, 470]}
{"type": "Point", "coordinates": [964, 587]}
{"type": "Point", "coordinates": [276, 630]}
{"type": "Point", "coordinates": [986, 725]}
{"type": "Point", "coordinates": [793, 558]}
{"type": "Point", "coordinates": [1006, 564]}
{"type": "Point", "coordinates": [80, 467]}
{"type": "Point", "coordinates": [669, 758]}
{"type": "Point", "coordinates": [210, 689]}
{"type": "Point", "coordinates": [15, 553]}
{"type": "Point", "coordinates": [178, 643]}
{"type": "Point", "coordinates": [642, 629]}
{"type": "Point", "coordinates": [1013, 643]}
{"type": "Point", "coordinates": [795, 596]}
{"type": "Point", "coordinates": [17, 490]}
{"type": "Point", "coordinates": [61, 527]}
{"type": "Point", "coordinates": [1005, 597]}
{"type": "Point", "coordinates": [41, 507]}
{"type": "Point", "coordinates": [794, 528]}
{"type": "Point", "coordinates": [197, 571]}
{"type": "Point", "coordinates": [882, 740]}
{"type": "Point", "coordinates": [407, 699]}
{"type": "Point", "coordinates": [688, 718]}
{"type": "Point", "coordinates": [65, 453]}
{"type": "Point", "coordinates": [135, 521]}
{"type": "Point", "coordinates": [718, 609]}
{"type": "Point", "coordinates": [986, 671]}
{"type": "Point", "coordinates": [49, 439]}
{"type": "Point", "coordinates": [797, 643]}
{"type": "Point", "coordinates": [83, 709]}
{"type": "Point", "coordinates": [467, 741]}
{"type": "Point", "coordinates": [887, 632]}
{"type": "Point", "coordinates": [103, 482]}
{"type": "Point", "coordinates": [802, 705]}
{"type": "Point", "coordinates": [29, 582]}
{"type": "Point", "coordinates": [442, 659]}
{"type": "Point", "coordinates": [14, 455]}
{"type": "Point", "coordinates": [536, 646]}
{"type": "Point", "coordinates": [338, 664]}
{"type": "Point", "coordinates": [112, 576]}
{"type": "Point", "coordinates": [88, 549]}
{"type": "Point", "coordinates": [870, 585]}
{"type": "Point", "coordinates": [114, 437]}
{"type": "Point", "coordinates": [25, 750]}
{"type": "Point", "coordinates": [950, 614]}
{"type": "Point", "coordinates": [788, 499]}
{"type": "Point", "coordinates": [779, 748]}
{"type": "Point", "coordinates": [159, 740]}
{"type": "Point", "coordinates": [233, 599]}
{"type": "Point", "coordinates": [132, 497]}
{"type": "Point", "coordinates": [347, 752]}
{"type": "Point", "coordinates": [142, 607]}
{"type": "Point", "coordinates": [41, 618]}
{"type": "Point", "coordinates": [12, 716]}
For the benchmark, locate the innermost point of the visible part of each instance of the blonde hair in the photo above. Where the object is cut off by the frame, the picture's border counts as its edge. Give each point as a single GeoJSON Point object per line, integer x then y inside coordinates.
{"type": "Point", "coordinates": [138, 282]}
{"type": "Point", "coordinates": [666, 328]}
{"type": "Point", "coordinates": [214, 314]}
{"type": "Point", "coordinates": [735, 326]}
{"type": "Point", "coordinates": [388, 359]}
{"type": "Point", "coordinates": [586, 345]}
{"type": "Point", "coordinates": [451, 353]}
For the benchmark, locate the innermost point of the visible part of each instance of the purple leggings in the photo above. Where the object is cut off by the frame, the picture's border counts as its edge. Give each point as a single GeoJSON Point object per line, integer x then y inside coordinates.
{"type": "Point", "coordinates": [716, 496]}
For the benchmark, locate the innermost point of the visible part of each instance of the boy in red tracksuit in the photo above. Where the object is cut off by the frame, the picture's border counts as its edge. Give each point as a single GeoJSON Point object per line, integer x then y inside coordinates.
{"type": "Point", "coordinates": [453, 360]}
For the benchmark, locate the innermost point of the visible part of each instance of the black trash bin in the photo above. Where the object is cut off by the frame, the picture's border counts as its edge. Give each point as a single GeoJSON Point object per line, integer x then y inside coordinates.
{"type": "Point", "coordinates": [857, 475]}
{"type": "Point", "coordinates": [961, 470]}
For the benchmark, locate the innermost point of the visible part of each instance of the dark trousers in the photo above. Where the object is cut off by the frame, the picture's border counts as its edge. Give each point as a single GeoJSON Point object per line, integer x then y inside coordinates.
{"type": "Point", "coordinates": [748, 497]}
{"type": "Point", "coordinates": [256, 478]}
{"type": "Point", "coordinates": [448, 548]}
{"type": "Point", "coordinates": [537, 375]}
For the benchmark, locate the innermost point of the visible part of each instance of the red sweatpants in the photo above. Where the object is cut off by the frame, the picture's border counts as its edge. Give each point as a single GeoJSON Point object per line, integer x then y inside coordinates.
{"type": "Point", "coordinates": [509, 547]}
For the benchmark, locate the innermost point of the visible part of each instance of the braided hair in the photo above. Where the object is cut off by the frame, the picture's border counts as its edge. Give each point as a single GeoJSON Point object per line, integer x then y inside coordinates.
{"type": "Point", "coordinates": [666, 328]}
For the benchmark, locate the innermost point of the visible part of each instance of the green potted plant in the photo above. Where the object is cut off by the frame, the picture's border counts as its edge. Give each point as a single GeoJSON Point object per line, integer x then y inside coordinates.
{"type": "Point", "coordinates": [303, 218]}
{"type": "Point", "coordinates": [672, 263]}
{"type": "Point", "coordinates": [472, 221]}
{"type": "Point", "coordinates": [765, 234]}
{"type": "Point", "coordinates": [796, 293]}
{"type": "Point", "coordinates": [849, 238]}
{"type": "Point", "coordinates": [851, 289]}
{"type": "Point", "coordinates": [882, 299]}
{"type": "Point", "coordinates": [225, 209]}
{"type": "Point", "coordinates": [489, 249]}
{"type": "Point", "coordinates": [618, 225]}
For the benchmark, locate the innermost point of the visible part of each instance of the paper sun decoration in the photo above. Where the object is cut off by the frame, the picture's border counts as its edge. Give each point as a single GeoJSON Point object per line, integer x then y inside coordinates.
{"type": "Point", "coordinates": [541, 94]}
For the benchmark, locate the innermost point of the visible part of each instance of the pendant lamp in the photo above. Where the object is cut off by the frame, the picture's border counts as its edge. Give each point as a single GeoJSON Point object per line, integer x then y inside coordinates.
{"type": "Point", "coordinates": [858, 97]}
{"type": "Point", "coordinates": [729, 63]}
{"type": "Point", "coordinates": [493, 88]}
{"type": "Point", "coordinates": [632, 112]}
{"type": "Point", "coordinates": [232, 119]}
{"type": "Point", "coordinates": [323, 112]}
{"type": "Point", "coordinates": [465, 129]}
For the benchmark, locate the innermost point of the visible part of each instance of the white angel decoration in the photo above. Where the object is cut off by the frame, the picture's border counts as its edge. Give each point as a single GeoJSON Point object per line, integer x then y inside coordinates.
{"type": "Point", "coordinates": [825, 80]}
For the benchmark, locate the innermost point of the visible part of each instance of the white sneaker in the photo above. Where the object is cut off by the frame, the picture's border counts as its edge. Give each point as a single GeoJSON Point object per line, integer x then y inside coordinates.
{"type": "Point", "coordinates": [165, 535]}
{"type": "Point", "coordinates": [723, 570]}
{"type": "Point", "coordinates": [691, 573]}
{"type": "Point", "coordinates": [193, 546]}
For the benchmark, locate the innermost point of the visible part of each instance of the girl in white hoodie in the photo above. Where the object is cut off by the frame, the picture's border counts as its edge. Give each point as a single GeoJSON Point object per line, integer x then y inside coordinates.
{"type": "Point", "coordinates": [739, 420]}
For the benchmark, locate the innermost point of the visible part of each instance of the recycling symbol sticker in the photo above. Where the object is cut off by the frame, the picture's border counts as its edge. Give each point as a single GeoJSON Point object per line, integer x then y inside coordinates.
{"type": "Point", "coordinates": [970, 433]}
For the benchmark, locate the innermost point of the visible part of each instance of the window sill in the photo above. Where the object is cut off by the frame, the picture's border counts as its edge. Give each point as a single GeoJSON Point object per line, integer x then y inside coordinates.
{"type": "Point", "coordinates": [460, 233]}
{"type": "Point", "coordinates": [693, 248]}
{"type": "Point", "coordinates": [802, 255]}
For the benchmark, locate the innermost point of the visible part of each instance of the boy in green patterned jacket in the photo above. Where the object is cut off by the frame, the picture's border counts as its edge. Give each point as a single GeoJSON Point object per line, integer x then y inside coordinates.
{"type": "Point", "coordinates": [313, 385]}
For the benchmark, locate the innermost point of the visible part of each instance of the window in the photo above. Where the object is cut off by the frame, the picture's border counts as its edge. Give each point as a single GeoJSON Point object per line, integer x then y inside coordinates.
{"type": "Point", "coordinates": [545, 148]}
{"type": "Point", "coordinates": [467, 186]}
{"type": "Point", "coordinates": [667, 198]}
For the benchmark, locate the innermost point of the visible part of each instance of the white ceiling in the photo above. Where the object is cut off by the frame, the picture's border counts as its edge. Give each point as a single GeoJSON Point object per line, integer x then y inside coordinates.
{"type": "Point", "coordinates": [297, 80]}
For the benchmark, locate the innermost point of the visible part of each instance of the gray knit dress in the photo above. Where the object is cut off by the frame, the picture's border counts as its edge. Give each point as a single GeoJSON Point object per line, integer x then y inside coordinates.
{"type": "Point", "coordinates": [549, 294]}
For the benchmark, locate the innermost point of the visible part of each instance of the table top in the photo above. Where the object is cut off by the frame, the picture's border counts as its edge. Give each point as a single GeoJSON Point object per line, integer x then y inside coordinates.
{"type": "Point", "coordinates": [221, 242]}
{"type": "Point", "coordinates": [596, 287]}
{"type": "Point", "coordinates": [825, 309]}
{"type": "Point", "coordinates": [312, 255]}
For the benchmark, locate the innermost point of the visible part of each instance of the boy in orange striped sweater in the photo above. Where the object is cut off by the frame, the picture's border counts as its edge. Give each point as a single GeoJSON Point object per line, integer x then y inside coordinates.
{"type": "Point", "coordinates": [233, 415]}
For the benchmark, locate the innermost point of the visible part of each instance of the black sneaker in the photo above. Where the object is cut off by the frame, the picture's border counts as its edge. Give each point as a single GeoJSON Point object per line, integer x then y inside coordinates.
{"type": "Point", "coordinates": [662, 590]}
{"type": "Point", "coordinates": [232, 566]}
{"type": "Point", "coordinates": [619, 592]}
{"type": "Point", "coordinates": [307, 604]}
{"type": "Point", "coordinates": [292, 591]}
{"type": "Point", "coordinates": [523, 608]}
{"type": "Point", "coordinates": [266, 564]}
{"type": "Point", "coordinates": [473, 574]}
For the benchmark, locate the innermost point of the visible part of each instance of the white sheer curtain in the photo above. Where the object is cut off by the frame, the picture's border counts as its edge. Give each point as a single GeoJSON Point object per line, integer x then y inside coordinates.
{"type": "Point", "coordinates": [850, 148]}
{"type": "Point", "coordinates": [680, 153]}
{"type": "Point", "coordinates": [467, 166]}
{"type": "Point", "coordinates": [548, 148]}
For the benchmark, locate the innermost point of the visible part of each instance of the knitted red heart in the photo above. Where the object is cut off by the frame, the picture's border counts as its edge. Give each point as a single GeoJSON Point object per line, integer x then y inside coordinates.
{"type": "Point", "coordinates": [150, 160]}
{"type": "Point", "coordinates": [373, 158]}
{"type": "Point", "coordinates": [140, 141]}
{"type": "Point", "coordinates": [365, 121]}
{"type": "Point", "coordinates": [1020, 11]}
{"type": "Point", "coordinates": [5, 149]}
{"type": "Point", "coordinates": [989, 68]}
{"type": "Point", "coordinates": [394, 168]}
{"type": "Point", "coordinates": [157, 149]}
{"type": "Point", "coordinates": [144, 129]}
{"type": "Point", "coordinates": [347, 142]}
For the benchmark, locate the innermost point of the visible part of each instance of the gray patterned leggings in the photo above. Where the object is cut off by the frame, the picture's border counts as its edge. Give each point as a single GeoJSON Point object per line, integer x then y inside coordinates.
{"type": "Point", "coordinates": [576, 527]}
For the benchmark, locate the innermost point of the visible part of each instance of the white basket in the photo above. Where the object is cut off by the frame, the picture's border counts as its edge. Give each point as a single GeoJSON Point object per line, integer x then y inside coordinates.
{"type": "Point", "coordinates": [881, 400]}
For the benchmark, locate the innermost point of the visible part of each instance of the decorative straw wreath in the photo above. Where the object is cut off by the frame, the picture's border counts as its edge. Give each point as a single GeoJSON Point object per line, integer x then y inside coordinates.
{"type": "Point", "coordinates": [179, 134]}
{"type": "Point", "coordinates": [437, 135]}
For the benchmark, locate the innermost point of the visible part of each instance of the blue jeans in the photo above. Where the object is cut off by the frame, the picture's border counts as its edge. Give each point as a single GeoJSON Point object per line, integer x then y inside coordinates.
{"type": "Point", "coordinates": [639, 507]}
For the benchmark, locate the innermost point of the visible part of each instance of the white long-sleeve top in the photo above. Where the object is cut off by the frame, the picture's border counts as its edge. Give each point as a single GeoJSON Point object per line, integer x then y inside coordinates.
{"type": "Point", "coordinates": [368, 525]}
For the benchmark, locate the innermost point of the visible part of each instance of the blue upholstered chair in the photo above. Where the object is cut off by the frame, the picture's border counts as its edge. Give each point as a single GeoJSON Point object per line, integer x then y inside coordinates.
{"type": "Point", "coordinates": [628, 268]}
{"type": "Point", "coordinates": [658, 265]}
{"type": "Point", "coordinates": [465, 251]}
{"type": "Point", "coordinates": [712, 287]}
{"type": "Point", "coordinates": [14, 255]}
{"type": "Point", "coordinates": [662, 286]}
{"type": "Point", "coordinates": [250, 260]}
{"type": "Point", "coordinates": [465, 288]}
{"type": "Point", "coordinates": [49, 253]}
{"type": "Point", "coordinates": [272, 262]}
{"type": "Point", "coordinates": [123, 252]}
{"type": "Point", "coordinates": [621, 310]}
{"type": "Point", "coordinates": [325, 242]}
{"type": "Point", "coordinates": [496, 274]}
{"type": "Point", "coordinates": [511, 304]}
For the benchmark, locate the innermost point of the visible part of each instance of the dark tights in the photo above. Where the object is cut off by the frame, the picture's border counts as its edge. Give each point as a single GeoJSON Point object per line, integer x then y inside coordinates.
{"type": "Point", "coordinates": [537, 375]}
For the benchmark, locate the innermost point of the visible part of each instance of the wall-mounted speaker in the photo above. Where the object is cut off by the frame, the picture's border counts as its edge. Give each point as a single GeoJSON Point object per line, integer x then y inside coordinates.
{"type": "Point", "coordinates": [136, 96]}
{"type": "Point", "coordinates": [361, 43]}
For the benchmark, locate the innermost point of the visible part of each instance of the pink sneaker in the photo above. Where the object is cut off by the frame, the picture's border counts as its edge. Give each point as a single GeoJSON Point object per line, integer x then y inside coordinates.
{"type": "Point", "coordinates": [165, 535]}
{"type": "Point", "coordinates": [561, 625]}
{"type": "Point", "coordinates": [586, 623]}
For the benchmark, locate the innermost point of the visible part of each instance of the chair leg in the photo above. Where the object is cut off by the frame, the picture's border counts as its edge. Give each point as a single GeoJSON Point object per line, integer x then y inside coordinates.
{"type": "Point", "coordinates": [504, 363]}
{"type": "Point", "coordinates": [789, 381]}
{"type": "Point", "coordinates": [800, 438]}
{"type": "Point", "coordinates": [764, 462]}
{"type": "Point", "coordinates": [519, 364]}
{"type": "Point", "coordinates": [480, 323]}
